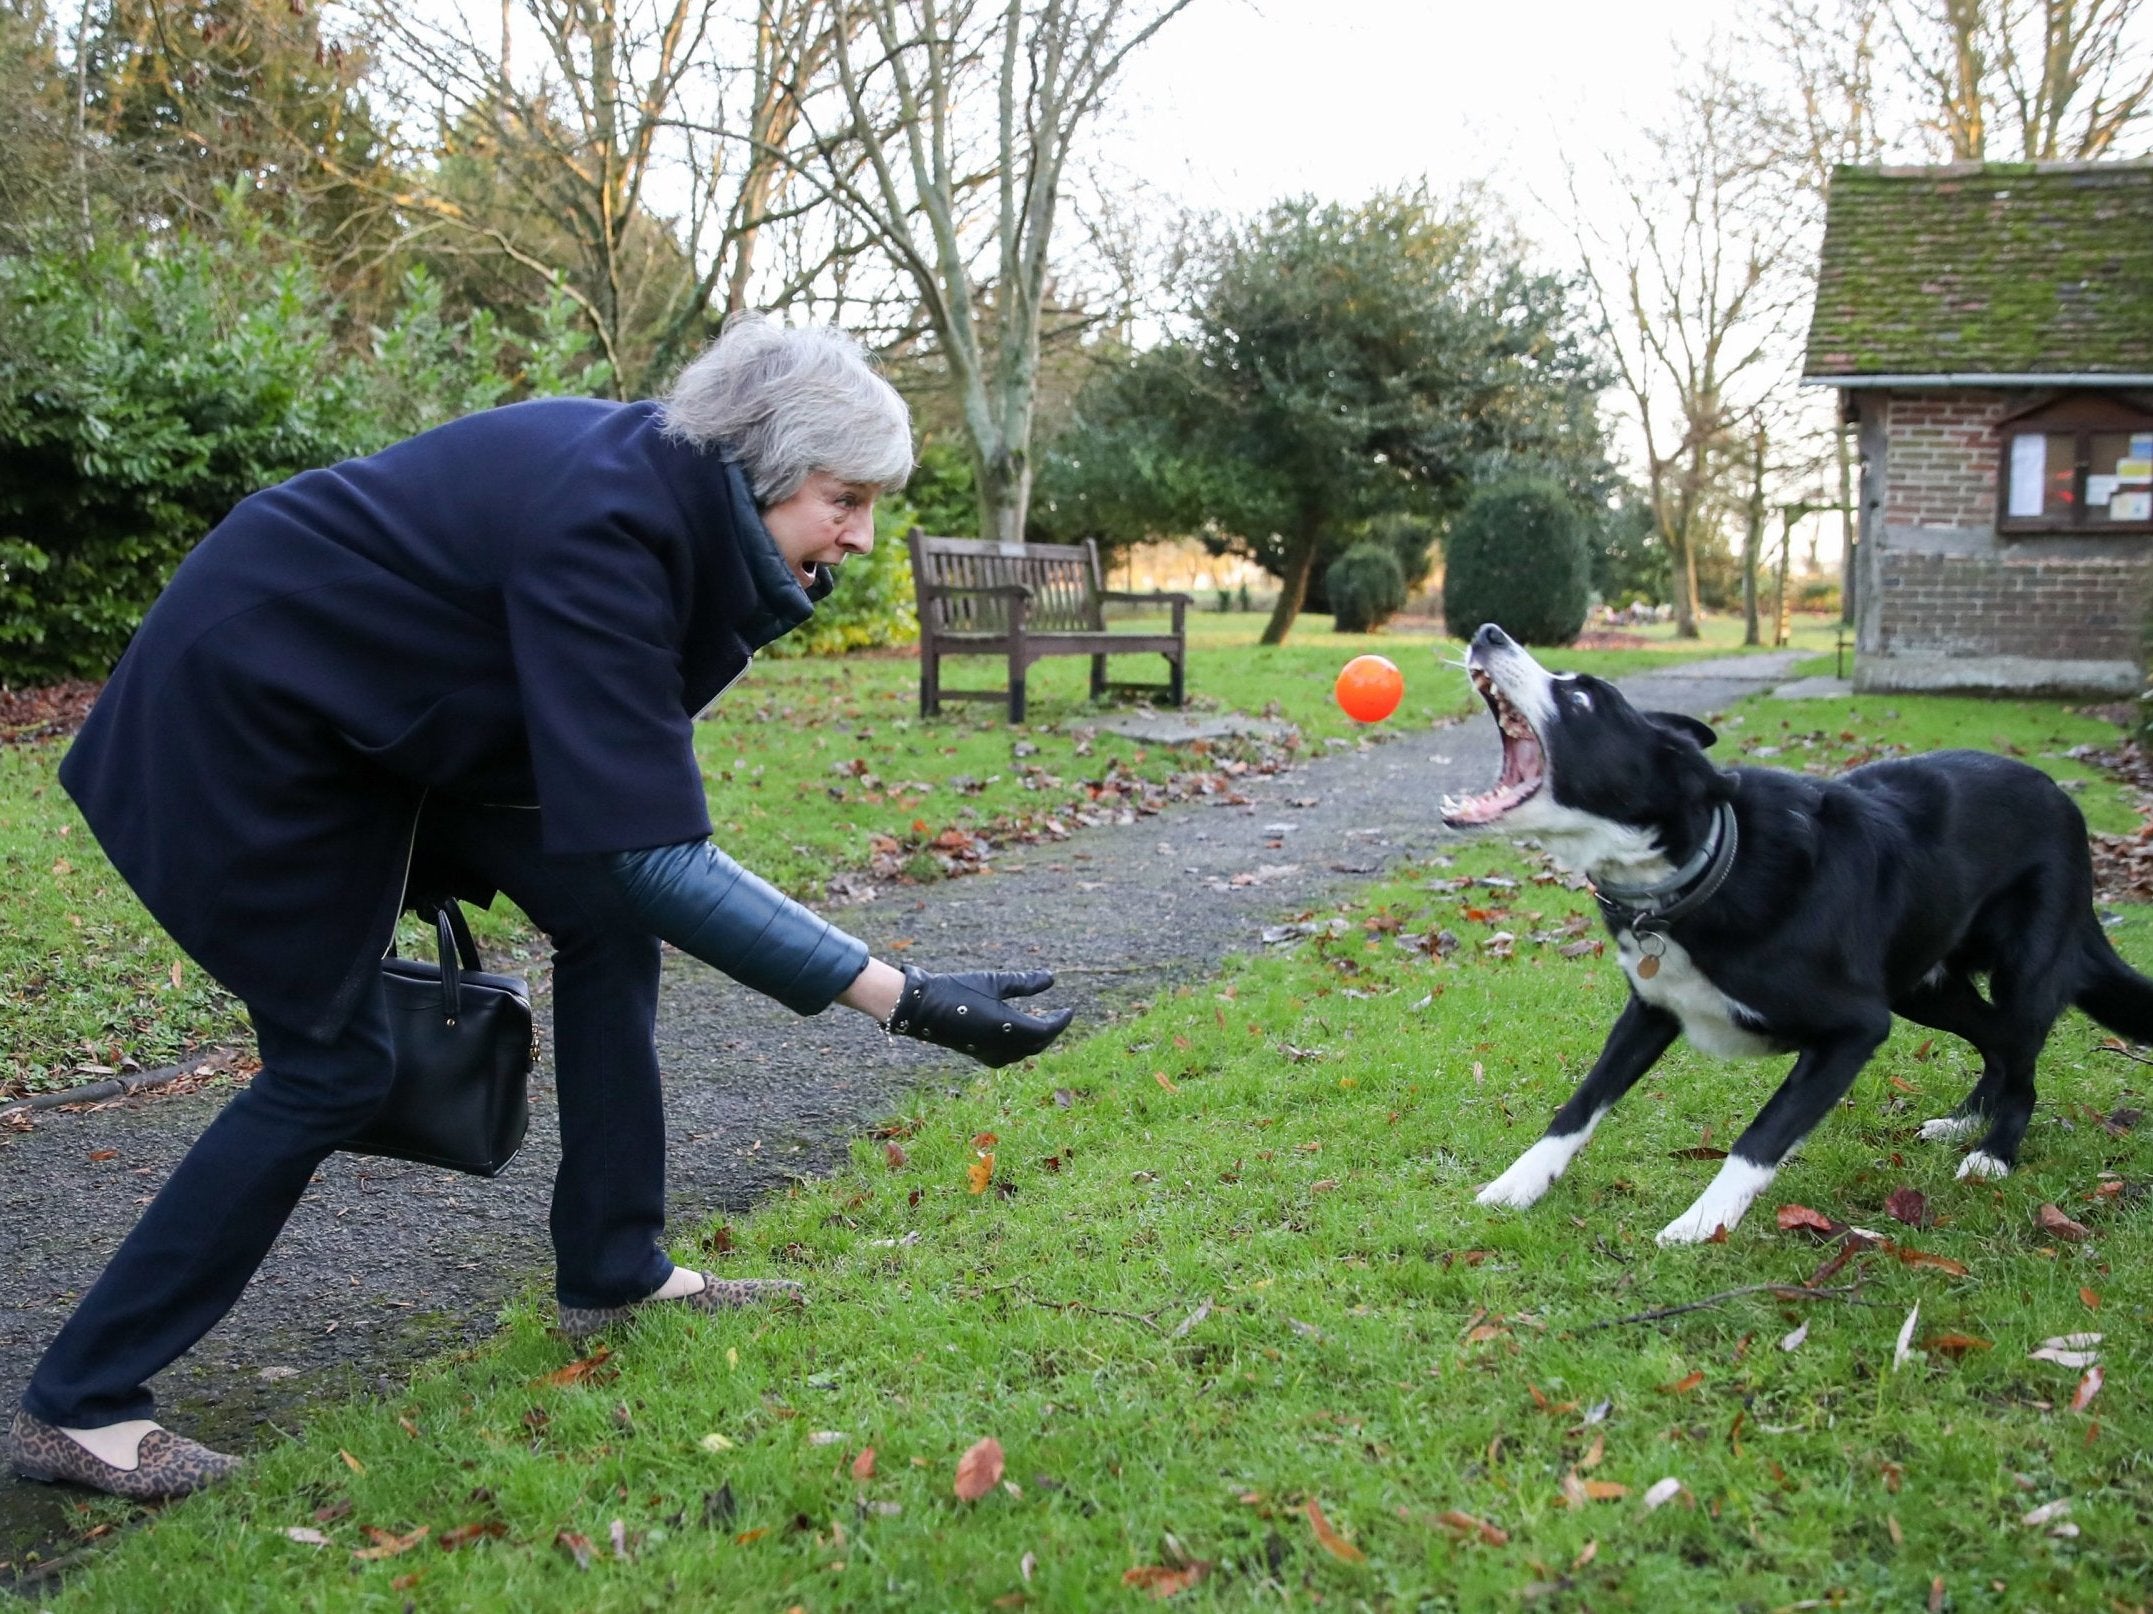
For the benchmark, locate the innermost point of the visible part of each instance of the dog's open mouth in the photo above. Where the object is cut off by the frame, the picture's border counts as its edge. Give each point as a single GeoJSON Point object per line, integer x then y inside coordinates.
{"type": "Point", "coordinates": [1523, 766]}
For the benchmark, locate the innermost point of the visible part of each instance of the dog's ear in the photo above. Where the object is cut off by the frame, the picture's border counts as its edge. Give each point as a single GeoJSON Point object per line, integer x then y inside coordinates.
{"type": "Point", "coordinates": [1688, 727]}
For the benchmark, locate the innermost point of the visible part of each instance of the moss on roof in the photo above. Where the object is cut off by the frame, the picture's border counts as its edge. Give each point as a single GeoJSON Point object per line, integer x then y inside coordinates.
{"type": "Point", "coordinates": [2003, 268]}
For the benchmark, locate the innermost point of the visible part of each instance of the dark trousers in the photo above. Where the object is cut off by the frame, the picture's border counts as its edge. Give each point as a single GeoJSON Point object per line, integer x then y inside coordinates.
{"type": "Point", "coordinates": [189, 1257]}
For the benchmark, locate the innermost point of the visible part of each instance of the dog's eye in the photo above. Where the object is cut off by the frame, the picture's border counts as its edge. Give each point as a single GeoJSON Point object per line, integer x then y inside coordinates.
{"type": "Point", "coordinates": [1581, 700]}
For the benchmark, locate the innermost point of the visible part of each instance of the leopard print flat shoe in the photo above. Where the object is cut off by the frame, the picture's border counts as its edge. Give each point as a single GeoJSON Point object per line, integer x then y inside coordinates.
{"type": "Point", "coordinates": [717, 1294]}
{"type": "Point", "coordinates": [169, 1465]}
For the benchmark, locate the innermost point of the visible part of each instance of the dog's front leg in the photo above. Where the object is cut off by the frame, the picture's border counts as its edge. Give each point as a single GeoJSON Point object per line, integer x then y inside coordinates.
{"type": "Point", "coordinates": [1639, 1037]}
{"type": "Point", "coordinates": [1819, 1079]}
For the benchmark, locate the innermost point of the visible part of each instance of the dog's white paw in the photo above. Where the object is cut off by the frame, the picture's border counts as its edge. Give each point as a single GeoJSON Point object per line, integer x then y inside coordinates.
{"type": "Point", "coordinates": [1982, 1164]}
{"type": "Point", "coordinates": [1722, 1204]}
{"type": "Point", "coordinates": [1531, 1174]}
{"type": "Point", "coordinates": [1949, 1128]}
{"type": "Point", "coordinates": [1691, 1227]}
{"type": "Point", "coordinates": [1516, 1188]}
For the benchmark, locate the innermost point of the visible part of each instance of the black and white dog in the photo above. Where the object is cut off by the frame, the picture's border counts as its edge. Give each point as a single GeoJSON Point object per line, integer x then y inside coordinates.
{"type": "Point", "coordinates": [1761, 912]}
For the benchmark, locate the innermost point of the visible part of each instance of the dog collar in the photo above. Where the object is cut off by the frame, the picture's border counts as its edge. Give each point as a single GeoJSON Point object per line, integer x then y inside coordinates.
{"type": "Point", "coordinates": [1688, 888]}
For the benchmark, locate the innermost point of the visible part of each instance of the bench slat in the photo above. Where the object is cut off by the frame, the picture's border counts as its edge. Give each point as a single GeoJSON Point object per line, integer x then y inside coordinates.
{"type": "Point", "coordinates": [1062, 613]}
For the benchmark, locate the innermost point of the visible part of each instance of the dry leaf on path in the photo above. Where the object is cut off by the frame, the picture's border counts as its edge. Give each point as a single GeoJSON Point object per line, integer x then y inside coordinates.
{"type": "Point", "coordinates": [979, 1470]}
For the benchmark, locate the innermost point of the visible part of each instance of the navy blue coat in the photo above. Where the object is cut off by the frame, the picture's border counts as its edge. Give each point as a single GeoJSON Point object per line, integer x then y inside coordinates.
{"type": "Point", "coordinates": [528, 605]}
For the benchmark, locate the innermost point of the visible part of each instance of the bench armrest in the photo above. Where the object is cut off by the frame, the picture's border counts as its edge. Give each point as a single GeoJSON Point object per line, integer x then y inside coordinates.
{"type": "Point", "coordinates": [1156, 597]}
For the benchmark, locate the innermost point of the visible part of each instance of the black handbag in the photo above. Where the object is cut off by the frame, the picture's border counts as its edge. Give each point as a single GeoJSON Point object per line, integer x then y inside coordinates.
{"type": "Point", "coordinates": [464, 1049]}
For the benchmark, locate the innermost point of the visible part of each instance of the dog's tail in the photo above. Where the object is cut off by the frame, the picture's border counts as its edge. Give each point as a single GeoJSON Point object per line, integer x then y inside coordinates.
{"type": "Point", "coordinates": [2114, 993]}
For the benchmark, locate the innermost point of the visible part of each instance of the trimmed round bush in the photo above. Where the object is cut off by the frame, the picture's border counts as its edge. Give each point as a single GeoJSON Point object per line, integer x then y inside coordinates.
{"type": "Point", "coordinates": [1366, 587]}
{"type": "Point", "coordinates": [1517, 556]}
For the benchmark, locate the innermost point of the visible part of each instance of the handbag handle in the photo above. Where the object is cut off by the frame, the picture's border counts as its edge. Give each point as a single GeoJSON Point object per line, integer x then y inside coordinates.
{"type": "Point", "coordinates": [458, 952]}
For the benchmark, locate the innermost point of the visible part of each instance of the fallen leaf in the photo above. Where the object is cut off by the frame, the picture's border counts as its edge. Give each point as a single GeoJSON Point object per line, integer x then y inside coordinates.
{"type": "Point", "coordinates": [1661, 1492]}
{"type": "Point", "coordinates": [979, 1470]}
{"type": "Point", "coordinates": [980, 1173]}
{"type": "Point", "coordinates": [863, 1466]}
{"type": "Point", "coordinates": [1905, 1347]}
{"type": "Point", "coordinates": [1330, 1540]}
{"type": "Point", "coordinates": [1793, 1341]}
{"type": "Point", "coordinates": [2088, 1388]}
{"type": "Point", "coordinates": [1192, 1319]}
{"type": "Point", "coordinates": [2047, 1511]}
{"type": "Point", "coordinates": [387, 1544]}
{"type": "Point", "coordinates": [715, 1442]}
{"type": "Point", "coordinates": [591, 1369]}
{"type": "Point", "coordinates": [825, 1437]}
{"type": "Point", "coordinates": [464, 1534]}
{"type": "Point", "coordinates": [1955, 1344]}
{"type": "Point", "coordinates": [1162, 1582]}
{"type": "Point", "coordinates": [1800, 1218]}
{"type": "Point", "coordinates": [1466, 1526]}
{"type": "Point", "coordinates": [1908, 1205]}
{"type": "Point", "coordinates": [1922, 1258]}
{"type": "Point", "coordinates": [985, 1140]}
{"type": "Point", "coordinates": [1685, 1384]}
{"type": "Point", "coordinates": [306, 1535]}
{"type": "Point", "coordinates": [104, 1154]}
{"type": "Point", "coordinates": [1697, 1152]}
{"type": "Point", "coordinates": [894, 1157]}
{"type": "Point", "coordinates": [350, 1461]}
{"type": "Point", "coordinates": [1605, 1490]}
{"type": "Point", "coordinates": [1585, 1555]}
{"type": "Point", "coordinates": [2089, 1299]}
{"type": "Point", "coordinates": [2059, 1226]}
{"type": "Point", "coordinates": [578, 1547]}
{"type": "Point", "coordinates": [2068, 1350]}
{"type": "Point", "coordinates": [1164, 1081]}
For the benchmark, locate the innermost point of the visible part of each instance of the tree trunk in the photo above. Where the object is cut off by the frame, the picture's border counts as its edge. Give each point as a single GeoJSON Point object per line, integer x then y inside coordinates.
{"type": "Point", "coordinates": [1753, 542]}
{"type": "Point", "coordinates": [1005, 494]}
{"type": "Point", "coordinates": [1293, 589]}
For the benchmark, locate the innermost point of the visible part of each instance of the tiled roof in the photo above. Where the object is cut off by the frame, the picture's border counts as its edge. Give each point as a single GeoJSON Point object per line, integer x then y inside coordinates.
{"type": "Point", "coordinates": [1997, 268]}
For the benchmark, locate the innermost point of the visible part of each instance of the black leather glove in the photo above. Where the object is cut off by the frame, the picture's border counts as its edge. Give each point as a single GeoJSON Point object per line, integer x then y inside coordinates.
{"type": "Point", "coordinates": [967, 1012]}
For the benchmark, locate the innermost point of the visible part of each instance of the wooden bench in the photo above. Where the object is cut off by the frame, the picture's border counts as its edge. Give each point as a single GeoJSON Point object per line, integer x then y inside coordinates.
{"type": "Point", "coordinates": [1026, 602]}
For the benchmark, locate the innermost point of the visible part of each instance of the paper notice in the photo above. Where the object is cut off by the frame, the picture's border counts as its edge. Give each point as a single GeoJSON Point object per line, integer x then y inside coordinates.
{"type": "Point", "coordinates": [2131, 507]}
{"type": "Point", "coordinates": [2142, 445]}
{"type": "Point", "coordinates": [2029, 467]}
{"type": "Point", "coordinates": [2099, 490]}
{"type": "Point", "coordinates": [2134, 470]}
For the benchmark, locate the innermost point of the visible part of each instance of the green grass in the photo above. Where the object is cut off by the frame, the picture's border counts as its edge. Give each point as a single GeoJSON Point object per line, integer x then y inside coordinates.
{"type": "Point", "coordinates": [815, 766]}
{"type": "Point", "coordinates": [1228, 1266]}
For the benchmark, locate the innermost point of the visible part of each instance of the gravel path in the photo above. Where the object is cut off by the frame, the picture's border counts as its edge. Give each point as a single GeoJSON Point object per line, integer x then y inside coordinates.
{"type": "Point", "coordinates": [385, 1264]}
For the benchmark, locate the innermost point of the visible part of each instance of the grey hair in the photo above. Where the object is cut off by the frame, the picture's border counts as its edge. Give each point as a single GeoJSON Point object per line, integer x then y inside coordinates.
{"type": "Point", "coordinates": [783, 402]}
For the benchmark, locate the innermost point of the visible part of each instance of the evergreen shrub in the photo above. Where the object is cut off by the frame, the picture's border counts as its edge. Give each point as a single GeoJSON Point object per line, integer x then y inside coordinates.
{"type": "Point", "coordinates": [1365, 587]}
{"type": "Point", "coordinates": [1516, 556]}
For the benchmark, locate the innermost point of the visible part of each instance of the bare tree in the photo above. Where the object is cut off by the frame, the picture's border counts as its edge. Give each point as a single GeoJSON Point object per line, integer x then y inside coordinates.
{"type": "Point", "coordinates": [640, 158]}
{"type": "Point", "coordinates": [2055, 79]}
{"type": "Point", "coordinates": [968, 113]}
{"type": "Point", "coordinates": [1694, 290]}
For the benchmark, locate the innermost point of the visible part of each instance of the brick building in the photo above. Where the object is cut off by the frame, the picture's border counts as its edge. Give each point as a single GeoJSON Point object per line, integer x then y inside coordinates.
{"type": "Point", "coordinates": [1990, 330]}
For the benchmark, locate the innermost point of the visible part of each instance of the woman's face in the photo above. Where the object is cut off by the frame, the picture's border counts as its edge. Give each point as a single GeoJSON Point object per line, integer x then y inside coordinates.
{"type": "Point", "coordinates": [826, 520]}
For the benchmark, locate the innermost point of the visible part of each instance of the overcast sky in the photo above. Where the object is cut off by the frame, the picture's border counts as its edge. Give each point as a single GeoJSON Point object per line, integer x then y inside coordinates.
{"type": "Point", "coordinates": [1238, 102]}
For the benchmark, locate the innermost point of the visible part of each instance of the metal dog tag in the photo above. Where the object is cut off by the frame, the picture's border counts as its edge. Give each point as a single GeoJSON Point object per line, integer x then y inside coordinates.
{"type": "Point", "coordinates": [1650, 944]}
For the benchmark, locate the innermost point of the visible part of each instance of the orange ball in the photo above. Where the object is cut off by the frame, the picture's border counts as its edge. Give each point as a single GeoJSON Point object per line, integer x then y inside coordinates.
{"type": "Point", "coordinates": [1369, 689]}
